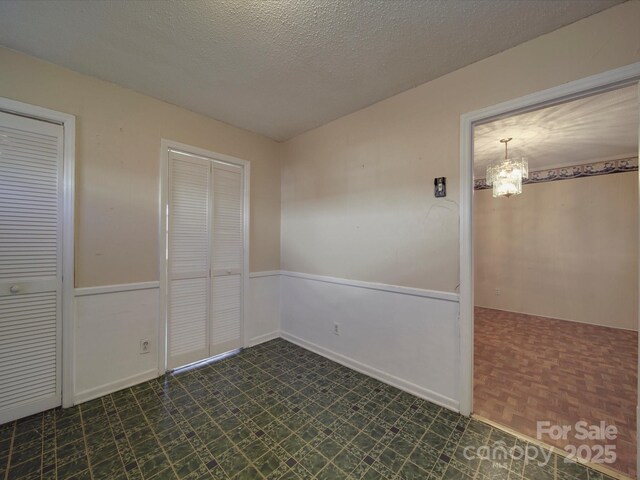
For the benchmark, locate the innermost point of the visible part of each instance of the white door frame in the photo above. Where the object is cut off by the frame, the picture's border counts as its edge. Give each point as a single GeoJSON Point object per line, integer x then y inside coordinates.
{"type": "Point", "coordinates": [68, 123]}
{"type": "Point", "coordinates": [165, 147]}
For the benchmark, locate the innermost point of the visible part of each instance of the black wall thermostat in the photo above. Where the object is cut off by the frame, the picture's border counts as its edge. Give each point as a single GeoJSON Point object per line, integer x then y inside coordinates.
{"type": "Point", "coordinates": [440, 186]}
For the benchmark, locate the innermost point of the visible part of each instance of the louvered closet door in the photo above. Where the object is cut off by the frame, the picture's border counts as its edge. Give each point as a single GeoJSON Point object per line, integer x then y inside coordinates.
{"type": "Point", "coordinates": [30, 265]}
{"type": "Point", "coordinates": [188, 266]}
{"type": "Point", "coordinates": [227, 264]}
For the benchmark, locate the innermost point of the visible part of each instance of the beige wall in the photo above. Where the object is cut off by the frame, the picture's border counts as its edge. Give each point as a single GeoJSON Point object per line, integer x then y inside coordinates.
{"type": "Point", "coordinates": [357, 193]}
{"type": "Point", "coordinates": [566, 249]}
{"type": "Point", "coordinates": [357, 197]}
{"type": "Point", "coordinates": [117, 165]}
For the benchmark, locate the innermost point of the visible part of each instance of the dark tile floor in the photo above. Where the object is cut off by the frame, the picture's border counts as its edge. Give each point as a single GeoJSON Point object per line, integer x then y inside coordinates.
{"type": "Point", "coordinates": [272, 411]}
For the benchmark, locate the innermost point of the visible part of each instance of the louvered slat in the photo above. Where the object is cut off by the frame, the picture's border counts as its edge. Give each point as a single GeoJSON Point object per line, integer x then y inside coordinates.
{"type": "Point", "coordinates": [227, 223]}
{"type": "Point", "coordinates": [188, 265]}
{"type": "Point", "coordinates": [28, 346]}
{"type": "Point", "coordinates": [189, 222]}
{"type": "Point", "coordinates": [188, 316]}
{"type": "Point", "coordinates": [226, 309]}
{"type": "Point", "coordinates": [29, 165]}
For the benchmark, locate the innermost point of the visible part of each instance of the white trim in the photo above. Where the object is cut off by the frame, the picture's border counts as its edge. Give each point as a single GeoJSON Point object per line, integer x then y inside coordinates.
{"type": "Point", "coordinates": [201, 152]}
{"type": "Point", "coordinates": [165, 146]}
{"type": "Point", "coordinates": [599, 83]}
{"type": "Point", "coordinates": [68, 123]}
{"type": "Point", "coordinates": [638, 403]}
{"type": "Point", "coordinates": [263, 338]}
{"type": "Point", "coordinates": [266, 273]}
{"type": "Point", "coordinates": [416, 292]}
{"type": "Point", "coordinates": [124, 287]}
{"type": "Point", "coordinates": [246, 199]}
{"type": "Point", "coordinates": [163, 201]}
{"type": "Point", "coordinates": [108, 388]}
{"type": "Point", "coordinates": [383, 287]}
{"type": "Point", "coordinates": [389, 379]}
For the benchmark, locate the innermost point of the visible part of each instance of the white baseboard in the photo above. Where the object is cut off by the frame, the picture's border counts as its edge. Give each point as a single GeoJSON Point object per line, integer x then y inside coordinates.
{"type": "Point", "coordinates": [384, 377]}
{"type": "Point", "coordinates": [96, 392]}
{"type": "Point", "coordinates": [263, 338]}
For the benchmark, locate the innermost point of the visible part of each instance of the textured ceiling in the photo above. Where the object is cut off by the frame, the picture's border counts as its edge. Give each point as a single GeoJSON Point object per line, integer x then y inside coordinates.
{"type": "Point", "coordinates": [602, 126]}
{"type": "Point", "coordinates": [277, 67]}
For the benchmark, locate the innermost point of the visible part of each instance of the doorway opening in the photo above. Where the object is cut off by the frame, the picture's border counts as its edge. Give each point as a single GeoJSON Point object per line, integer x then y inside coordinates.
{"type": "Point", "coordinates": [502, 225]}
{"type": "Point", "coordinates": [556, 275]}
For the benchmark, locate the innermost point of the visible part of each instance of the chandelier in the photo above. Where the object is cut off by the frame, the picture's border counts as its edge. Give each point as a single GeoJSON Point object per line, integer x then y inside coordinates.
{"type": "Point", "coordinates": [506, 175]}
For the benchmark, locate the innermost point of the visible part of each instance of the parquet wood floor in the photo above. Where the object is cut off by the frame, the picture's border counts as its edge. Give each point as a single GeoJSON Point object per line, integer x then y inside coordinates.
{"type": "Point", "coordinates": [530, 369]}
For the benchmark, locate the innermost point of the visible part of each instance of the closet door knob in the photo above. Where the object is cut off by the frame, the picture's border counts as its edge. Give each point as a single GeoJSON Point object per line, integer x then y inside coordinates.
{"type": "Point", "coordinates": [15, 289]}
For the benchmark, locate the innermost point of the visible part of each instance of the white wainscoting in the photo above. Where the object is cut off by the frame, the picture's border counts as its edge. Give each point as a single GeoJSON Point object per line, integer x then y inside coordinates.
{"type": "Point", "coordinates": [262, 322]}
{"type": "Point", "coordinates": [405, 337]}
{"type": "Point", "coordinates": [110, 321]}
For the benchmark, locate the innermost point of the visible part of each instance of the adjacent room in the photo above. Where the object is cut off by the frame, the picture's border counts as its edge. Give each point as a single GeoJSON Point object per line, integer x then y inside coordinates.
{"type": "Point", "coordinates": [256, 239]}
{"type": "Point", "coordinates": [556, 270]}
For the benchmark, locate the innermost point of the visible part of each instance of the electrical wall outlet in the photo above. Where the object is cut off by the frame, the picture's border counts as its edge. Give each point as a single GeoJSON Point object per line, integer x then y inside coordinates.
{"type": "Point", "coordinates": [145, 346]}
{"type": "Point", "coordinates": [497, 292]}
{"type": "Point", "coordinates": [336, 328]}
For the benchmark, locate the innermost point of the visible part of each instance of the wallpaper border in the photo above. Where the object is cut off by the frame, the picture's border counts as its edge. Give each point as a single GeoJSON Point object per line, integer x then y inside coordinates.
{"type": "Point", "coordinates": [576, 171]}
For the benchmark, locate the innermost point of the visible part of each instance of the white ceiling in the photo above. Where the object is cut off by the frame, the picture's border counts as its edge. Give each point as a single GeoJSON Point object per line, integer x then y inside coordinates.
{"type": "Point", "coordinates": [277, 67]}
{"type": "Point", "coordinates": [602, 126]}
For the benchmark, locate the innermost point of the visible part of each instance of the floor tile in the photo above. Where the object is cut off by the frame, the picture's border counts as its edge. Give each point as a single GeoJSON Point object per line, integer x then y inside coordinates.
{"type": "Point", "coordinates": [273, 411]}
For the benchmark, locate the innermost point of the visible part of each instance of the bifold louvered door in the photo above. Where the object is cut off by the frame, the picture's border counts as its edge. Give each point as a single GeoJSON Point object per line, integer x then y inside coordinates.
{"type": "Point", "coordinates": [188, 266]}
{"type": "Point", "coordinates": [205, 258]}
{"type": "Point", "coordinates": [30, 265]}
{"type": "Point", "coordinates": [227, 254]}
